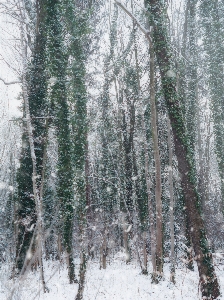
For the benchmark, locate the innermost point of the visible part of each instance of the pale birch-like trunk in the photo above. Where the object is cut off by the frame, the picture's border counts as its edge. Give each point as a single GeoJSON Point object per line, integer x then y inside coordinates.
{"type": "Point", "coordinates": [36, 192]}
{"type": "Point", "coordinates": [125, 240]}
{"type": "Point", "coordinates": [82, 276]}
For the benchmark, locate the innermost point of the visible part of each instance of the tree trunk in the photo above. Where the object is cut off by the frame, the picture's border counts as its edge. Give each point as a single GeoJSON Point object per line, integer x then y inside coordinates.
{"type": "Point", "coordinates": [34, 92]}
{"type": "Point", "coordinates": [172, 255]}
{"type": "Point", "coordinates": [59, 104]}
{"type": "Point", "coordinates": [82, 275]}
{"type": "Point", "coordinates": [104, 249]}
{"type": "Point", "coordinates": [126, 243]}
{"type": "Point", "coordinates": [150, 208]}
{"type": "Point", "coordinates": [158, 188]}
{"type": "Point", "coordinates": [145, 258]}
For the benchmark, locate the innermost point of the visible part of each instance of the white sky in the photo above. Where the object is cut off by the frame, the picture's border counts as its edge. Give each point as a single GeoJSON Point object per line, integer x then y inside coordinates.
{"type": "Point", "coordinates": [9, 66]}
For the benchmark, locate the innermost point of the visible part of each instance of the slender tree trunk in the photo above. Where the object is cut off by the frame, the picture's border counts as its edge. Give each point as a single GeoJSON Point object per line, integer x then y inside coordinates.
{"type": "Point", "coordinates": [125, 241]}
{"type": "Point", "coordinates": [104, 249]}
{"type": "Point", "coordinates": [172, 254]}
{"type": "Point", "coordinates": [121, 169]}
{"type": "Point", "coordinates": [201, 185]}
{"type": "Point", "coordinates": [59, 246]}
{"type": "Point", "coordinates": [150, 207]}
{"type": "Point", "coordinates": [82, 275]}
{"type": "Point", "coordinates": [158, 188]}
{"type": "Point", "coordinates": [145, 258]}
{"type": "Point", "coordinates": [207, 165]}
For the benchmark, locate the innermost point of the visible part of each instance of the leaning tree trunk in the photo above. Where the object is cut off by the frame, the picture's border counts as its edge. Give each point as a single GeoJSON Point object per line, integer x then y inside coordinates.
{"type": "Point", "coordinates": [208, 280]}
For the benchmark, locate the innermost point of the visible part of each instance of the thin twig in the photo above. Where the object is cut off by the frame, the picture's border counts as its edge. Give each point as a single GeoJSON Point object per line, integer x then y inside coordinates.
{"type": "Point", "coordinates": [9, 83]}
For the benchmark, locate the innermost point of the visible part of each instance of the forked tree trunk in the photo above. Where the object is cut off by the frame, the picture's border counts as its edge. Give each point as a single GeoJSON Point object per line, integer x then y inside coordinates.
{"type": "Point", "coordinates": [208, 280]}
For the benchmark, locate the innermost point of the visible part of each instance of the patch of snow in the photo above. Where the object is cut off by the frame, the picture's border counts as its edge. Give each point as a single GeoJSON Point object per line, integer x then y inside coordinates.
{"type": "Point", "coordinates": [118, 281]}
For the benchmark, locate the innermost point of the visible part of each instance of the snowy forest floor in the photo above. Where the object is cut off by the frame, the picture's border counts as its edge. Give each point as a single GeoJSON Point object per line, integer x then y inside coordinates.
{"type": "Point", "coordinates": [118, 282]}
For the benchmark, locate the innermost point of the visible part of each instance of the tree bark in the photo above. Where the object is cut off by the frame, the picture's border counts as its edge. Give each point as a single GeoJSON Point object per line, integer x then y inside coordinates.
{"type": "Point", "coordinates": [172, 255]}
{"type": "Point", "coordinates": [158, 188]}
{"type": "Point", "coordinates": [150, 208]}
{"type": "Point", "coordinates": [82, 275]}
{"type": "Point", "coordinates": [145, 258]}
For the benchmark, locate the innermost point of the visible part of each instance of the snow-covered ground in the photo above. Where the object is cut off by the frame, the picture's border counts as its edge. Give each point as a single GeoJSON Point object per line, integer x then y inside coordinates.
{"type": "Point", "coordinates": [118, 282]}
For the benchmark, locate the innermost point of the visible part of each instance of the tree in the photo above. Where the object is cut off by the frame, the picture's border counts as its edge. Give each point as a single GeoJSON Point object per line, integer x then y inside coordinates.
{"type": "Point", "coordinates": [35, 80]}
{"type": "Point", "coordinates": [78, 28]}
{"type": "Point", "coordinates": [208, 279]}
{"type": "Point", "coordinates": [212, 33]}
{"type": "Point", "coordinates": [59, 108]}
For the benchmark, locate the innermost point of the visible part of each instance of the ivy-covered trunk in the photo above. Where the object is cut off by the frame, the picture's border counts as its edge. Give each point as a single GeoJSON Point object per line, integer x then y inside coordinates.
{"type": "Point", "coordinates": [59, 106]}
{"type": "Point", "coordinates": [203, 256]}
{"type": "Point", "coordinates": [158, 183]}
{"type": "Point", "coordinates": [77, 26]}
{"type": "Point", "coordinates": [106, 170]}
{"type": "Point", "coordinates": [191, 73]}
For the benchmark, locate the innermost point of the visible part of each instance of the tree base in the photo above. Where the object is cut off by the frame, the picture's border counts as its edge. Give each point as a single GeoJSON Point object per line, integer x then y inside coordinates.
{"type": "Point", "coordinates": [156, 278]}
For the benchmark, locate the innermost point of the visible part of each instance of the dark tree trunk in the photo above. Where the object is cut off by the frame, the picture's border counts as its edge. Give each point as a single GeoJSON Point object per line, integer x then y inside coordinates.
{"type": "Point", "coordinates": [59, 102]}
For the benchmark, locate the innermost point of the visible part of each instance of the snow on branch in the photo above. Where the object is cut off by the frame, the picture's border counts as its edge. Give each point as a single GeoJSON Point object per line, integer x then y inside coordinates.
{"type": "Point", "coordinates": [143, 29]}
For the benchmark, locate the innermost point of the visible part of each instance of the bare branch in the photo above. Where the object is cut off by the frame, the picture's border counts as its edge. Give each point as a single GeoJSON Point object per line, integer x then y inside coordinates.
{"type": "Point", "coordinates": [9, 65]}
{"type": "Point", "coordinates": [144, 30]}
{"type": "Point", "coordinates": [9, 83]}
